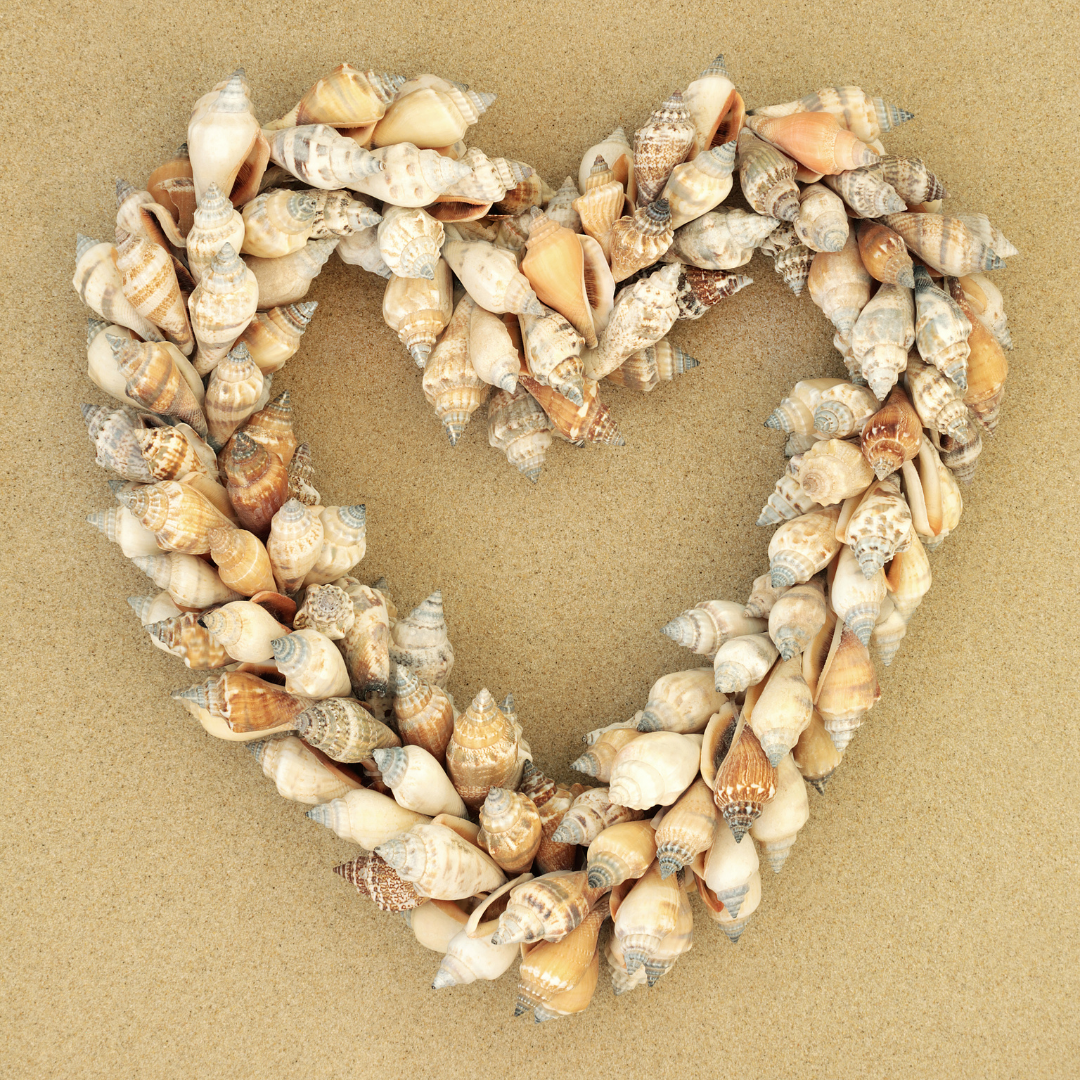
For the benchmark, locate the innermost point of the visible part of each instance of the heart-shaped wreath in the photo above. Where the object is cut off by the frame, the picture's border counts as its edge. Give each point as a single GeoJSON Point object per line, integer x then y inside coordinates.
{"type": "Point", "coordinates": [343, 702]}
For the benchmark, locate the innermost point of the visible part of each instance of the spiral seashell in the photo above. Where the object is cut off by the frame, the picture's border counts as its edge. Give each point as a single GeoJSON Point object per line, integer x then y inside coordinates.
{"type": "Point", "coordinates": [482, 751]}
{"type": "Point", "coordinates": [592, 812]}
{"type": "Point", "coordinates": [113, 434]}
{"type": "Point", "coordinates": [174, 176]}
{"type": "Point", "coordinates": [744, 781]}
{"type": "Point", "coordinates": [716, 109]}
{"type": "Point", "coordinates": [244, 629]}
{"type": "Point", "coordinates": [232, 394]}
{"type": "Point", "coordinates": [519, 427]}
{"type": "Point", "coordinates": [328, 609]}
{"type": "Point", "coordinates": [892, 435]}
{"type": "Point", "coordinates": [159, 378]}
{"type": "Point", "coordinates": [645, 369]}
{"type": "Point", "coordinates": [816, 140]}
{"type": "Point", "coordinates": [183, 636]}
{"type": "Point", "coordinates": [367, 818]}
{"type": "Point", "coordinates": [884, 254]}
{"type": "Point", "coordinates": [150, 284]}
{"type": "Point", "coordinates": [803, 546]}
{"type": "Point", "coordinates": [245, 702]}
{"type": "Point", "coordinates": [931, 488]}
{"type": "Point", "coordinates": [843, 410]}
{"type": "Point", "coordinates": [377, 879]}
{"type": "Point", "coordinates": [178, 515]}
{"type": "Point", "coordinates": [985, 300]}
{"type": "Point", "coordinates": [815, 755]}
{"type": "Point", "coordinates": [686, 829]}
{"type": "Point", "coordinates": [590, 422]}
{"type": "Point", "coordinates": [418, 781]}
{"type": "Point", "coordinates": [762, 598]}
{"type": "Point", "coordinates": [721, 239]}
{"type": "Point", "coordinates": [552, 350]}
{"type": "Point", "coordinates": [286, 279]}
{"type": "Point", "coordinates": [345, 98]}
{"type": "Point", "coordinates": [311, 664]}
{"type": "Point", "coordinates": [601, 203]}
{"type": "Point", "coordinates": [490, 276]}
{"type": "Point", "coordinates": [222, 135]}
{"type": "Point", "coordinates": [642, 315]}
{"type": "Point", "coordinates": [878, 526]}
{"type": "Point", "coordinates": [941, 330]}
{"type": "Point", "coordinates": [620, 853]}
{"type": "Point", "coordinates": [440, 864]}
{"type": "Point", "coordinates": [215, 223]}
{"type": "Point", "coordinates": [419, 642]}
{"type": "Point", "coordinates": [598, 760]}
{"type": "Point", "coordinates": [664, 142]}
{"type": "Point", "coordinates": [743, 661]}
{"type": "Point", "coordinates": [647, 914]}
{"type": "Point", "coordinates": [621, 980]}
{"type": "Point", "coordinates": [256, 480]}
{"type": "Point", "coordinates": [296, 537]}
{"type": "Point", "coordinates": [510, 829]}
{"type": "Point", "coordinates": [704, 628]}
{"type": "Point", "coordinates": [343, 729]}
{"type": "Point", "coordinates": [547, 908]}
{"type": "Point", "coordinates": [861, 114]}
{"type": "Point", "coordinates": [782, 711]}
{"type": "Point", "coordinates": [840, 284]}
{"type": "Point", "coordinates": [638, 241]}
{"type": "Point", "coordinates": [833, 470]}
{"type": "Point", "coordinates": [221, 307]}
{"type": "Point", "coordinates": [193, 584]}
{"type": "Point", "coordinates": [100, 287]}
{"type": "Point", "coordinates": [492, 351]}
{"type": "Point", "coordinates": [847, 688]}
{"type": "Point", "coordinates": [271, 427]}
{"type": "Point", "coordinates": [700, 184]}
{"type": "Point", "coordinates": [867, 193]}
{"type": "Point", "coordinates": [242, 562]}
{"type": "Point", "coordinates": [119, 525]}
{"type": "Point", "coordinates": [767, 178]}
{"type": "Point", "coordinates": [410, 241]}
{"type": "Point", "coordinates": [137, 212]}
{"type": "Point", "coordinates": [796, 618]}
{"type": "Point", "coordinates": [781, 818]}
{"type": "Point", "coordinates": [617, 156]}
{"type": "Point", "coordinates": [700, 290]}
{"type": "Point", "coordinates": [889, 630]}
{"type": "Point", "coordinates": [101, 365]}
{"type": "Point", "coordinates": [560, 207]}
{"type": "Point", "coordinates": [787, 501]}
{"type": "Point", "coordinates": [987, 368]}
{"type": "Point", "coordinates": [488, 181]}
{"type": "Point", "coordinates": [910, 179]}
{"type": "Point", "coordinates": [337, 213]}
{"type": "Point", "coordinates": [343, 546]}
{"type": "Point", "coordinates": [430, 112]}
{"type": "Point", "coordinates": [855, 596]}
{"type": "Point", "coordinates": [319, 156]}
{"type": "Point", "coordinates": [277, 223]}
{"type": "Point", "coordinates": [419, 309]}
{"type": "Point", "coordinates": [909, 579]}
{"type": "Point", "coordinates": [937, 400]}
{"type": "Point", "coordinates": [681, 701]}
{"type": "Point", "coordinates": [409, 176]}
{"type": "Point", "coordinates": [882, 336]}
{"type": "Point", "coordinates": [654, 770]}
{"type": "Point", "coordinates": [822, 224]}
{"type": "Point", "coordinates": [468, 959]}
{"type": "Point", "coordinates": [304, 776]}
{"type": "Point", "coordinates": [956, 245]}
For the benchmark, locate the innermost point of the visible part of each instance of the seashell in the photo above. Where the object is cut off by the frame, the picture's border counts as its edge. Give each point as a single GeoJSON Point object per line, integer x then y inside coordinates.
{"type": "Point", "coordinates": [877, 527]}
{"type": "Point", "coordinates": [245, 702]}
{"type": "Point", "coordinates": [490, 276]}
{"type": "Point", "coordinates": [551, 803]}
{"type": "Point", "coordinates": [178, 515]}
{"type": "Point", "coordinates": [589, 422]}
{"type": "Point", "coordinates": [987, 368]}
{"type": "Point", "coordinates": [221, 307]}
{"type": "Point", "coordinates": [803, 546]}
{"type": "Point", "coordinates": [271, 427]}
{"type": "Point", "coordinates": [815, 755]}
{"type": "Point", "coordinates": [716, 109]}
{"type": "Point", "coordinates": [822, 224]}
{"type": "Point", "coordinates": [700, 290]}
{"type": "Point", "coordinates": [242, 562]}
{"type": "Point", "coordinates": [560, 207]}
{"type": "Point", "coordinates": [833, 470]}
{"type": "Point", "coordinates": [344, 730]}
{"type": "Point", "coordinates": [419, 642]}
{"type": "Point", "coordinates": [840, 285]}
{"type": "Point", "coordinates": [156, 377]}
{"type": "Point", "coordinates": [223, 135]}
{"type": "Point", "coordinates": [570, 274]}
{"type": "Point", "coordinates": [519, 427]}
{"type": "Point", "coordinates": [547, 908]}
{"type": "Point", "coordinates": [598, 760]}
{"type": "Point", "coordinates": [150, 284]}
{"type": "Point", "coordinates": [796, 412]}
{"type": "Point", "coordinates": [244, 629]}
{"type": "Point", "coordinates": [730, 867]}
{"type": "Point", "coordinates": [492, 352]}
{"type": "Point", "coordinates": [744, 780]}
{"type": "Point", "coordinates": [488, 180]}
{"type": "Point", "coordinates": [687, 828]}
{"type": "Point", "coordinates": [892, 435]}
{"type": "Point", "coordinates": [654, 770]}
{"type": "Point", "coordinates": [232, 394]}
{"type": "Point", "coordinates": [618, 157]}
{"type": "Point", "coordinates": [767, 178]}
{"type": "Point", "coordinates": [409, 176]}
{"type": "Point", "coordinates": [592, 812]}
{"type": "Point", "coordinates": [733, 928]}
{"type": "Point", "coordinates": [782, 711]}
{"type": "Point", "coordinates": [816, 140]}
{"type": "Point", "coordinates": [844, 409]}
{"type": "Point", "coordinates": [783, 816]}
{"type": "Point", "coordinates": [215, 223]}
{"type": "Point", "coordinates": [300, 472]}
{"type": "Point", "coordinates": [256, 480]}
{"type": "Point", "coordinates": [620, 853]}
{"type": "Point", "coordinates": [704, 628]}
{"type": "Point", "coordinates": [432, 115]}
{"type": "Point", "coordinates": [193, 584]}
{"type": "Point", "coordinates": [174, 178]}
{"type": "Point", "coordinates": [468, 959]}
{"type": "Point", "coordinates": [855, 597]}
{"type": "Point", "coordinates": [796, 618]}
{"type": "Point", "coordinates": [182, 636]}
{"type": "Point", "coordinates": [369, 819]}
{"type": "Point", "coordinates": [941, 329]}
{"type": "Point", "coordinates": [884, 254]}
{"type": "Point", "coordinates": [100, 287]}
{"type": "Point", "coordinates": [418, 309]}
{"type": "Point", "coordinates": [552, 349]}
{"type": "Point", "coordinates": [882, 336]}
{"type": "Point", "coordinates": [937, 399]}
{"type": "Point", "coordinates": [337, 213]}
{"type": "Point", "coordinates": [361, 248]}
{"type": "Point", "coordinates": [410, 241]}
{"type": "Point", "coordinates": [113, 434]}
{"type": "Point", "coordinates": [909, 579]}
{"type": "Point", "coordinates": [328, 609]}
{"type": "Point", "coordinates": [344, 98]}
{"type": "Point", "coordinates": [418, 781]}
{"type": "Point", "coordinates": [510, 829]}
{"type": "Point", "coordinates": [664, 142]}
{"type": "Point", "coordinates": [645, 369]}
{"type": "Point", "coordinates": [743, 661]}
{"type": "Point", "coordinates": [638, 241]}
{"type": "Point", "coordinates": [889, 631]}
{"type": "Point", "coordinates": [482, 751]}
{"type": "Point", "coordinates": [867, 193]}
{"type": "Point", "coordinates": [311, 664]}
{"type": "Point", "coordinates": [119, 525]}
{"type": "Point", "coordinates": [721, 239]}
{"type": "Point", "coordinates": [861, 114]}
{"type": "Point", "coordinates": [932, 491]}
{"type": "Point", "coordinates": [376, 878]}
{"type": "Point", "coordinates": [621, 980]}
{"type": "Point", "coordinates": [296, 537]}
{"type": "Point", "coordinates": [530, 192]}
{"type": "Point", "coordinates": [319, 156]}
{"type": "Point", "coordinates": [601, 203]}
{"type": "Point", "coordinates": [343, 546]}
{"type": "Point", "coordinates": [436, 923]}
{"type": "Point", "coordinates": [642, 315]}
{"type": "Point", "coordinates": [787, 501]}
{"type": "Point", "coordinates": [277, 223]}
{"type": "Point", "coordinates": [985, 300]}
{"type": "Point", "coordinates": [681, 701]}
{"type": "Point", "coordinates": [287, 279]}
{"type": "Point", "coordinates": [847, 689]}
{"type": "Point", "coordinates": [440, 864]}
{"type": "Point", "coordinates": [762, 597]}
{"type": "Point", "coordinates": [647, 914]}
{"type": "Point", "coordinates": [101, 365]}
{"type": "Point", "coordinates": [910, 179]}
{"type": "Point", "coordinates": [304, 776]}
{"type": "Point", "coordinates": [955, 245]}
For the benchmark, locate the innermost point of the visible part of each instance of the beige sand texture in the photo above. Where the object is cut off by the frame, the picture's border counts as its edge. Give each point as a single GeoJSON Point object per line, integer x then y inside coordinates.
{"type": "Point", "coordinates": [166, 914]}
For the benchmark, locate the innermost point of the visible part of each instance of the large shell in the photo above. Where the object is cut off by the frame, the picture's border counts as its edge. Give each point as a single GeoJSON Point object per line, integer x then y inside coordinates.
{"type": "Point", "coordinates": [589, 422]}
{"type": "Point", "coordinates": [296, 537]}
{"type": "Point", "coordinates": [311, 664]}
{"type": "Point", "coordinates": [343, 730]}
{"type": "Point", "coordinates": [788, 500]}
{"type": "Point", "coordinates": [510, 829]}
{"type": "Point", "coordinates": [256, 480]}
{"type": "Point", "coordinates": [430, 112]}
{"type": "Point", "coordinates": [855, 597]}
{"type": "Point", "coordinates": [620, 852]}
{"type": "Point", "coordinates": [242, 561]}
{"type": "Point", "coordinates": [222, 134]}
{"type": "Point", "coordinates": [592, 812]}
{"type": "Point", "coordinates": [782, 711]}
{"type": "Point", "coordinates": [277, 223]}
{"type": "Point", "coordinates": [795, 413]}
{"type": "Point", "coordinates": [244, 629]}
{"type": "Point", "coordinates": [865, 116]}
{"type": "Point", "coordinates": [664, 142]}
{"type": "Point", "coordinates": [271, 427]}
{"type": "Point", "coordinates": [716, 109]}
{"type": "Point", "coordinates": [704, 628]}
{"type": "Point", "coordinates": [519, 427]}
{"type": "Point", "coordinates": [418, 781]}
{"type": "Point", "coordinates": [988, 368]}
{"type": "Point", "coordinates": [601, 205]}
{"type": "Point", "coordinates": [743, 780]}
{"type": "Point", "coordinates": [192, 583]}
{"type": "Point", "coordinates": [743, 661]}
{"type": "Point", "coordinates": [221, 306]}
{"type": "Point", "coordinates": [797, 617]}
{"type": "Point", "coordinates": [879, 525]}
{"type": "Point", "coordinates": [937, 399]}
{"type": "Point", "coordinates": [816, 140]}
{"type": "Point", "coordinates": [833, 470]}
{"type": "Point", "coordinates": [803, 546]}
{"type": "Point", "coordinates": [157, 378]}
{"type": "Point", "coordinates": [100, 287]}
{"type": "Point", "coordinates": [345, 98]}
{"type": "Point", "coordinates": [410, 241]}
{"type": "Point", "coordinates": [492, 351]}
{"type": "Point", "coordinates": [149, 282]}
{"type": "Point", "coordinates": [767, 178]}
{"type": "Point", "coordinates": [647, 914]}
{"type": "Point", "coordinates": [319, 156]}
{"type": "Point", "coordinates": [822, 224]}
{"type": "Point", "coordinates": [302, 774]}
{"type": "Point", "coordinates": [419, 642]}
{"type": "Point", "coordinates": [639, 240]}
{"type": "Point", "coordinates": [654, 770]}
{"type": "Point", "coordinates": [343, 546]}
{"type": "Point", "coordinates": [367, 818]}
{"type": "Point", "coordinates": [440, 864]}
{"type": "Point", "coordinates": [892, 435]}
{"type": "Point", "coordinates": [866, 192]}
{"type": "Point", "coordinates": [552, 350]}
{"type": "Point", "coordinates": [491, 276]}
{"type": "Point", "coordinates": [178, 515]}
{"type": "Point", "coordinates": [216, 222]}
{"type": "Point", "coordinates": [409, 176]}
{"type": "Point", "coordinates": [418, 309]}
{"type": "Point", "coordinates": [721, 239]}
{"type": "Point", "coordinates": [882, 336]}
{"type": "Point", "coordinates": [840, 284]}
{"type": "Point", "coordinates": [941, 329]}
{"type": "Point", "coordinates": [955, 245]}
{"type": "Point", "coordinates": [245, 702]}
{"type": "Point", "coordinates": [483, 750]}
{"type": "Point", "coordinates": [547, 907]}
{"type": "Point", "coordinates": [687, 828]}
{"type": "Point", "coordinates": [232, 394]}
{"type": "Point", "coordinates": [681, 701]}
{"type": "Point", "coordinates": [286, 279]}
{"type": "Point", "coordinates": [729, 868]}
{"type": "Point", "coordinates": [815, 755]}
{"type": "Point", "coordinates": [884, 254]}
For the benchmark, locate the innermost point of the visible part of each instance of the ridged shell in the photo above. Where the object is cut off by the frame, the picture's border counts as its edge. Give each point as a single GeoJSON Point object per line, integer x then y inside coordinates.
{"type": "Point", "coordinates": [430, 112]}
{"type": "Point", "coordinates": [687, 828]}
{"type": "Point", "coordinates": [803, 546]}
{"type": "Point", "coordinates": [311, 664]}
{"type": "Point", "coordinates": [149, 282]}
{"type": "Point", "coordinates": [343, 546]}
{"type": "Point", "coordinates": [885, 255]}
{"type": "Point", "coordinates": [286, 279]}
{"type": "Point", "coordinates": [592, 812]}
{"type": "Point", "coordinates": [815, 755]}
{"type": "Point", "coordinates": [245, 702]}
{"type": "Point", "coordinates": [409, 176]}
{"type": "Point", "coordinates": [222, 133]}
{"type": "Point", "coordinates": [410, 241]}
{"type": "Point", "coordinates": [271, 427]}
{"type": "Point", "coordinates": [343, 729]}
{"type": "Point", "coordinates": [100, 288]}
{"type": "Point", "coordinates": [664, 142]}
{"type": "Point", "coordinates": [599, 759]}
{"type": "Point", "coordinates": [955, 245]}
{"type": "Point", "coordinates": [519, 427]}
{"type": "Point", "coordinates": [647, 914]}
{"type": "Point", "coordinates": [847, 689]}
{"type": "Point", "coordinates": [700, 290]}
{"type": "Point", "coordinates": [743, 661]}
{"type": "Point", "coordinates": [221, 306]}
{"type": "Point", "coordinates": [418, 781]}
{"type": "Point", "coordinates": [816, 140]}
{"type": "Point", "coordinates": [767, 178]}
{"type": "Point", "coordinates": [344, 98]}
{"type": "Point", "coordinates": [729, 867]}
{"type": "Point", "coordinates": [941, 329]}
{"type": "Point", "coordinates": [192, 583]}
{"type": "Point", "coordinates": [645, 369]}
{"type": "Point", "coordinates": [892, 435]}
{"type": "Point", "coordinates": [865, 116]}
{"type": "Point", "coordinates": [840, 284]}
{"type": "Point", "coordinates": [788, 500]}
{"type": "Point", "coordinates": [337, 213]}
{"type": "Point", "coordinates": [721, 239]}
{"type": "Point", "coordinates": [232, 394]}
{"type": "Point", "coordinates": [560, 207]}
{"type": "Point", "coordinates": [183, 636]}
{"type": "Point", "coordinates": [490, 275]}
{"type": "Point", "coordinates": [510, 829]}
{"type": "Point", "coordinates": [782, 711]}
{"type": "Point", "coordinates": [319, 156]}
{"type": "Point", "coordinates": [482, 752]}
{"type": "Point", "coordinates": [216, 223]}
{"type": "Point", "coordinates": [377, 879]}
{"type": "Point", "coordinates": [256, 480]}
{"type": "Point", "coordinates": [654, 770]}
{"type": "Point", "coordinates": [589, 422]}
{"type": "Point", "coordinates": [178, 515]}
{"type": "Point", "coordinates": [418, 309]}
{"type": "Point", "coordinates": [601, 205]}
{"type": "Point", "coordinates": [844, 409]}
{"type": "Point", "coordinates": [781, 818]}
{"type": "Point", "coordinates": [866, 192]}
{"type": "Point", "coordinates": [704, 628]}
{"type": "Point", "coordinates": [639, 240]}
{"type": "Point", "coordinates": [762, 598]}
{"type": "Point", "coordinates": [937, 399]}
{"type": "Point", "coordinates": [987, 371]}
{"type": "Point", "coordinates": [878, 526]}
{"type": "Point", "coordinates": [277, 223]}
{"type": "Point", "coordinates": [796, 618]}
{"type": "Point", "coordinates": [119, 525]}
{"type": "Point", "coordinates": [552, 349]}
{"type": "Point", "coordinates": [296, 536]}
{"type": "Point", "coordinates": [366, 817]}
{"type": "Point", "coordinates": [440, 864]}
{"type": "Point", "coordinates": [156, 378]}
{"type": "Point", "coordinates": [547, 908]}
{"type": "Point", "coordinates": [244, 629]}
{"type": "Point", "coordinates": [833, 470]}
{"type": "Point", "coordinates": [617, 155]}
{"type": "Point", "coordinates": [419, 642]}
{"type": "Point", "coordinates": [620, 852]}
{"type": "Point", "coordinates": [242, 561]}
{"type": "Point", "coordinates": [822, 224]}
{"type": "Point", "coordinates": [300, 773]}
{"type": "Point", "coordinates": [716, 109]}
{"type": "Point", "coordinates": [882, 336]}
{"type": "Point", "coordinates": [744, 781]}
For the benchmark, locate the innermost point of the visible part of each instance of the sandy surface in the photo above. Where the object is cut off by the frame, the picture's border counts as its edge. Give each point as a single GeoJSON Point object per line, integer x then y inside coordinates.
{"type": "Point", "coordinates": [167, 914]}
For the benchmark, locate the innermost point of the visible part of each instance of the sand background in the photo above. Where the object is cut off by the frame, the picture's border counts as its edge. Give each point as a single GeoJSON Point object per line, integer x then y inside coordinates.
{"type": "Point", "coordinates": [165, 913]}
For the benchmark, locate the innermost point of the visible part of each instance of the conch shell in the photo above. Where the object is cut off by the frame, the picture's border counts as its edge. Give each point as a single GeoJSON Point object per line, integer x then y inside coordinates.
{"type": "Point", "coordinates": [232, 394]}
{"type": "Point", "coordinates": [601, 205]}
{"type": "Point", "coordinates": [618, 156]}
{"type": "Point", "coordinates": [822, 224]}
{"type": "Point", "coordinates": [782, 710]}
{"type": "Point", "coordinates": [703, 629]}
{"type": "Point", "coordinates": [419, 309]}
{"type": "Point", "coordinates": [866, 117]}
{"type": "Point", "coordinates": [865, 192]}
{"type": "Point", "coordinates": [100, 287]}
{"type": "Point", "coordinates": [681, 701]}
{"type": "Point", "coordinates": [215, 223]}
{"type": "Point", "coordinates": [272, 337]}
{"type": "Point", "coordinates": [988, 367]}
{"type": "Point", "coordinates": [782, 816]}
{"type": "Point", "coordinates": [319, 156]}
{"type": "Point", "coordinates": [222, 137]}
{"type": "Point", "coordinates": [376, 878]}
{"type": "Point", "coordinates": [483, 750]}
{"type": "Point", "coordinates": [510, 829]}
{"type": "Point", "coordinates": [803, 546]}
{"type": "Point", "coordinates": [311, 664]}
{"type": "Point", "coordinates": [664, 142]}
{"type": "Point", "coordinates": [552, 353]}
{"type": "Point", "coordinates": [743, 661]}
{"type": "Point", "coordinates": [159, 378]}
{"type": "Point", "coordinates": [686, 829]}
{"type": "Point", "coordinates": [296, 537]}
{"type": "Point", "coordinates": [300, 773]}
{"type": "Point", "coordinates": [892, 435]}
{"type": "Point", "coordinates": [119, 525]}
{"type": "Point", "coordinates": [700, 290]}
{"type": "Point", "coordinates": [182, 636]}
{"type": "Point", "coordinates": [592, 812]}
{"type": "Point", "coordinates": [519, 427]}
{"type": "Point", "coordinates": [847, 687]}
{"type": "Point", "coordinates": [409, 176]}
{"type": "Point", "coordinates": [729, 867]}
{"type": "Point", "coordinates": [716, 108]}
{"type": "Point", "coordinates": [882, 336]}
{"type": "Point", "coordinates": [941, 329]}
{"type": "Point", "coordinates": [619, 853]}
{"type": "Point", "coordinates": [560, 207]}
{"type": "Point", "coordinates": [654, 770]}
{"type": "Point", "coordinates": [419, 642]}
{"type": "Point", "coordinates": [418, 781]}
{"type": "Point", "coordinates": [277, 223]}
{"type": "Point", "coordinates": [985, 300]}
{"type": "Point", "coordinates": [833, 470]}
{"type": "Point", "coordinates": [490, 276]}
{"type": "Point", "coordinates": [589, 422]}
{"type": "Point", "coordinates": [816, 140]}
{"type": "Point", "coordinates": [547, 908]}
{"type": "Point", "coordinates": [938, 400]}
{"type": "Point", "coordinates": [797, 617]}
{"type": "Point", "coordinates": [638, 241]}
{"type": "Point", "coordinates": [286, 279]}
{"type": "Point", "coordinates": [767, 178]}
{"type": "Point", "coordinates": [740, 774]}
{"type": "Point", "coordinates": [956, 244]}
{"type": "Point", "coordinates": [346, 98]}
{"type": "Point", "coordinates": [150, 283]}
{"type": "Point", "coordinates": [245, 702]}
{"type": "Point", "coordinates": [271, 427]}
{"type": "Point", "coordinates": [178, 515]}
{"type": "Point", "coordinates": [242, 561]}
{"type": "Point", "coordinates": [440, 864]}
{"type": "Point", "coordinates": [368, 818]}
{"type": "Point", "coordinates": [840, 284]}
{"type": "Point", "coordinates": [221, 306]}
{"type": "Point", "coordinates": [430, 112]}
{"type": "Point", "coordinates": [492, 350]}
{"type": "Point", "coordinates": [410, 241]}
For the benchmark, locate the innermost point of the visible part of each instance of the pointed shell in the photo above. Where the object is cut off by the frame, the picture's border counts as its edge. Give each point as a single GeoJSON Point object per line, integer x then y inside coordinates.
{"type": "Point", "coordinates": [722, 239]}
{"type": "Point", "coordinates": [286, 279]}
{"type": "Point", "coordinates": [833, 470]}
{"type": "Point", "coordinates": [510, 829]}
{"type": "Point", "coordinates": [440, 864]}
{"type": "Point", "coordinates": [856, 598]}
{"type": "Point", "coordinates": [743, 661]}
{"type": "Point", "coordinates": [377, 879]}
{"type": "Point", "coordinates": [882, 336]}
{"type": "Point", "coordinates": [687, 828]}
{"type": "Point", "coordinates": [681, 701]}
{"type": "Point", "coordinates": [783, 816]}
{"type": "Point", "coordinates": [519, 427]}
{"type": "Point", "coordinates": [418, 781]}
{"type": "Point", "coordinates": [482, 752]}
{"type": "Point", "coordinates": [803, 546]}
{"type": "Point", "coordinates": [704, 628]}
{"type": "Point", "coordinates": [221, 306]}
{"type": "Point", "coordinates": [419, 642]}
{"type": "Point", "coordinates": [410, 241]}
{"type": "Point", "coordinates": [244, 629]}
{"type": "Point", "coordinates": [490, 275]}
{"type": "Point", "coordinates": [848, 687]}
{"type": "Point", "coordinates": [343, 729]}
{"type": "Point", "coordinates": [601, 205]}
{"type": "Point", "coordinates": [884, 254]}
{"type": "Point", "coordinates": [599, 759]}
{"type": "Point", "coordinates": [767, 178]}
{"type": "Point", "coordinates": [782, 711]}
{"type": "Point", "coordinates": [955, 245]}
{"type": "Point", "coordinates": [418, 309]}
{"type": "Point", "coordinates": [822, 224]}
{"type": "Point", "coordinates": [296, 537]}
{"type": "Point", "coordinates": [744, 780]}
{"type": "Point", "coordinates": [246, 703]}
{"type": "Point", "coordinates": [592, 812]}
{"type": "Point", "coordinates": [300, 773]}
{"type": "Point", "coordinates": [840, 284]}
{"type": "Point", "coordinates": [796, 618]}
{"type": "Point", "coordinates": [179, 516]}
{"type": "Point", "coordinates": [242, 561]}
{"type": "Point", "coordinates": [271, 427]}
{"type": "Point", "coordinates": [664, 142]}
{"type": "Point", "coordinates": [654, 770]}
{"type": "Point", "coordinates": [150, 283]}
{"type": "Point", "coordinates": [547, 907]}
{"type": "Point", "coordinates": [892, 435]}
{"type": "Point", "coordinates": [867, 193]}
{"type": "Point", "coordinates": [366, 818]}
{"type": "Point", "coordinates": [221, 134]}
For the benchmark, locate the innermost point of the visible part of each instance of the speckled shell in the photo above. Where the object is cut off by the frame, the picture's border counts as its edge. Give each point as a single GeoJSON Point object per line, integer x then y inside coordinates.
{"type": "Point", "coordinates": [367, 818]}
{"type": "Point", "coordinates": [767, 178]}
{"type": "Point", "coordinates": [721, 239]}
{"type": "Point", "coordinates": [743, 661]}
{"type": "Point", "coordinates": [271, 427]}
{"type": "Point", "coordinates": [245, 702]}
{"type": "Point", "coordinates": [178, 515]}
{"type": "Point", "coordinates": [440, 864]}
{"type": "Point", "coordinates": [788, 500]}
{"type": "Point", "coordinates": [910, 179]}
{"type": "Point", "coordinates": [98, 283]}
{"type": "Point", "coordinates": [796, 618]}
{"type": "Point", "coordinates": [490, 276]}
{"type": "Point", "coordinates": [221, 306]}
{"type": "Point", "coordinates": [847, 689]}
{"type": "Point", "coordinates": [158, 377]}
{"type": "Point", "coordinates": [744, 780]}
{"type": "Point", "coordinates": [687, 828]}
{"type": "Point", "coordinates": [296, 537]}
{"type": "Point", "coordinates": [654, 770]}
{"type": "Point", "coordinates": [560, 207]}
{"type": "Point", "coordinates": [642, 315]}
{"type": "Point", "coordinates": [866, 192]}
{"type": "Point", "coordinates": [418, 781]}
{"type": "Point", "coordinates": [286, 279]}
{"type": "Point", "coordinates": [639, 240]}
{"type": "Point", "coordinates": [833, 470]}
{"type": "Point", "coordinates": [700, 290]}
{"type": "Point", "coordinates": [704, 628]}
{"type": "Point", "coordinates": [242, 561]}
{"type": "Point", "coordinates": [343, 729]}
{"type": "Point", "coordinates": [955, 245]}
{"type": "Point", "coordinates": [183, 636]}
{"type": "Point", "coordinates": [941, 329]}
{"type": "Point", "coordinates": [601, 204]}
{"type": "Point", "coordinates": [418, 309]}
{"type": "Point", "coordinates": [547, 907]}
{"type": "Point", "coordinates": [938, 400]}
{"type": "Point", "coordinates": [822, 224]}
{"type": "Point", "coordinates": [337, 213]}
{"type": "Point", "coordinates": [345, 98]}
{"type": "Point", "coordinates": [882, 336]}
{"type": "Point", "coordinates": [816, 140]}
{"type": "Point", "coordinates": [589, 422]}
{"type": "Point", "coordinates": [664, 142]}
{"type": "Point", "coordinates": [482, 752]}
{"type": "Point", "coordinates": [879, 525]}
{"type": "Point", "coordinates": [319, 156]}
{"type": "Point", "coordinates": [232, 394]}
{"type": "Point", "coordinates": [149, 282]}
{"type": "Point", "coordinates": [840, 284]}
{"type": "Point", "coordinates": [519, 427]}
{"type": "Point", "coordinates": [552, 350]}
{"type": "Point", "coordinates": [301, 472]}
{"type": "Point", "coordinates": [361, 248]}
{"type": "Point", "coordinates": [681, 701]}
{"type": "Point", "coordinates": [985, 300]}
{"type": "Point", "coordinates": [377, 879]}
{"type": "Point", "coordinates": [430, 112]}
{"type": "Point", "coordinates": [591, 812]}
{"type": "Point", "coordinates": [892, 435]}
{"type": "Point", "coordinates": [244, 629]}
{"type": "Point", "coordinates": [510, 829]}
{"type": "Point", "coordinates": [885, 255]}
{"type": "Point", "coordinates": [409, 176]}
{"type": "Point", "coordinates": [419, 642]}
{"type": "Point", "coordinates": [856, 597]}
{"type": "Point", "coordinates": [302, 774]}
{"type": "Point", "coordinates": [803, 546]}
{"type": "Point", "coordinates": [861, 114]}
{"type": "Point", "coordinates": [113, 434]}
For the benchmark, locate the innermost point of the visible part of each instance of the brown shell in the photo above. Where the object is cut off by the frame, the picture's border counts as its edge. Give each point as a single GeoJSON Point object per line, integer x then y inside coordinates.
{"type": "Point", "coordinates": [256, 480]}
{"type": "Point", "coordinates": [246, 702]}
{"type": "Point", "coordinates": [373, 876]}
{"type": "Point", "coordinates": [424, 713]}
{"type": "Point", "coordinates": [892, 435]}
{"type": "Point", "coordinates": [744, 781]}
{"type": "Point", "coordinates": [885, 254]}
{"type": "Point", "coordinates": [663, 143]}
{"type": "Point", "coordinates": [987, 367]}
{"type": "Point", "coordinates": [482, 752]}
{"type": "Point", "coordinates": [815, 755]}
{"type": "Point", "coordinates": [271, 427]}
{"type": "Point", "coordinates": [156, 382]}
{"type": "Point", "coordinates": [699, 290]}
{"type": "Point", "coordinates": [178, 515]}
{"type": "Point", "coordinates": [588, 423]}
{"type": "Point", "coordinates": [183, 636]}
{"type": "Point", "coordinates": [510, 829]}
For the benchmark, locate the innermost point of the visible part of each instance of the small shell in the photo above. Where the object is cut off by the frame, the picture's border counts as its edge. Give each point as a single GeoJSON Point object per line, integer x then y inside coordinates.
{"type": "Point", "coordinates": [638, 241]}
{"type": "Point", "coordinates": [99, 285]}
{"type": "Point", "coordinates": [440, 863]}
{"type": "Point", "coordinates": [483, 750]}
{"type": "Point", "coordinates": [490, 275]}
{"type": "Point", "coordinates": [937, 399]}
{"type": "Point", "coordinates": [552, 350]}
{"type": "Point", "coordinates": [101, 362]}
{"type": "Point", "coordinates": [184, 637]}
{"type": "Point", "coordinates": [301, 470]}
{"type": "Point", "coordinates": [470, 958]}
{"type": "Point", "coordinates": [910, 178]}
{"type": "Point", "coordinates": [815, 755]}
{"type": "Point", "coordinates": [343, 730]}
{"type": "Point", "coordinates": [296, 537]}
{"type": "Point", "coordinates": [892, 435]}
{"type": "Point", "coordinates": [833, 470]}
{"type": "Point", "coordinates": [592, 812]}
{"type": "Point", "coordinates": [881, 338]}
{"type": "Point", "coordinates": [376, 878]}
{"type": "Point", "coordinates": [328, 609]}
{"type": "Point", "coordinates": [271, 427]}
{"type": "Point", "coordinates": [245, 630]}
{"type": "Point", "coordinates": [866, 192]}
{"type": "Point", "coordinates": [222, 133]}
{"type": "Point", "coordinates": [654, 770]}
{"type": "Point", "coordinates": [510, 829]}
{"type": "Point", "coordinates": [430, 112]}
{"type": "Point", "coordinates": [601, 205]}
{"type": "Point", "coordinates": [560, 207]}
{"type": "Point", "coordinates": [343, 546]}
{"type": "Point", "coordinates": [855, 597]}
{"type": "Point", "coordinates": [242, 561]}
{"type": "Point", "coordinates": [418, 309]}
{"type": "Point", "coordinates": [879, 525]}
{"type": "Point", "coordinates": [700, 290]}
{"type": "Point", "coordinates": [245, 702]}
{"type": "Point", "coordinates": [256, 480]}
{"type": "Point", "coordinates": [149, 282]}
{"type": "Point", "coordinates": [722, 239]}
{"type": "Point", "coordinates": [847, 689]}
{"type": "Point", "coordinates": [987, 370]}
{"type": "Point", "coordinates": [889, 631]}
{"type": "Point", "coordinates": [730, 866]}
{"type": "Point", "coordinates": [547, 907]}
{"type": "Point", "coordinates": [277, 223]}
{"type": "Point", "coordinates": [519, 427]}
{"type": "Point", "coordinates": [619, 853]}
{"type": "Point", "coordinates": [704, 628]}
{"type": "Point", "coordinates": [344, 98]}
{"type": "Point", "coordinates": [192, 583]}
{"type": "Point", "coordinates": [367, 818]}
{"type": "Point", "coordinates": [272, 337]}
{"type": "Point", "coordinates": [796, 412]}
{"type": "Point", "coordinates": [744, 780]}
{"type": "Point", "coordinates": [763, 597]}
{"type": "Point", "coordinates": [816, 140]}
{"type": "Point", "coordinates": [418, 781]}
{"type": "Point", "coordinates": [767, 178]}
{"type": "Point", "coordinates": [803, 546]}
{"type": "Point", "coordinates": [419, 642]}
{"type": "Point", "coordinates": [178, 515]}
{"type": "Point", "coordinates": [303, 775]}
{"type": "Point", "coordinates": [286, 280]}
{"type": "Point", "coordinates": [157, 378]}
{"type": "Point", "coordinates": [796, 618]}
{"type": "Point", "coordinates": [787, 501]}
{"type": "Point", "coordinates": [617, 156]}
{"type": "Point", "coordinates": [599, 759]}
{"type": "Point", "coordinates": [492, 351]}
{"type": "Point", "coordinates": [409, 176]}
{"type": "Point", "coordinates": [822, 224]}
{"type": "Point", "coordinates": [221, 306]}
{"type": "Point", "coordinates": [783, 816]}
{"type": "Point", "coordinates": [681, 701]}
{"type": "Point", "coordinates": [664, 142]}
{"type": "Point", "coordinates": [647, 914]}
{"type": "Point", "coordinates": [840, 285]}
{"type": "Point", "coordinates": [119, 525]}
{"type": "Point", "coordinates": [782, 711]}
{"type": "Point", "coordinates": [699, 185]}
{"type": "Point", "coordinates": [743, 661]}
{"type": "Point", "coordinates": [843, 410]}
{"type": "Point", "coordinates": [884, 254]}
{"type": "Point", "coordinates": [687, 828]}
{"type": "Point", "coordinates": [985, 300]}
{"type": "Point", "coordinates": [955, 245]}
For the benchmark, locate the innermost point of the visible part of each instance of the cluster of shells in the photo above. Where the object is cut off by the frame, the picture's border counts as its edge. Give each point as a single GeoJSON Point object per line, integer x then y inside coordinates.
{"type": "Point", "coordinates": [343, 703]}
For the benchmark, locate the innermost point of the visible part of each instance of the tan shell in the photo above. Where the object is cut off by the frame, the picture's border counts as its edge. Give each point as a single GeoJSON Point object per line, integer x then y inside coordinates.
{"type": "Point", "coordinates": [232, 394]}
{"type": "Point", "coordinates": [591, 812]}
{"type": "Point", "coordinates": [272, 337]}
{"type": "Point", "coordinates": [861, 114]}
{"type": "Point", "coordinates": [721, 239]}
{"type": "Point", "coordinates": [843, 410]}
{"type": "Point", "coordinates": [245, 702]}
{"type": "Point", "coordinates": [547, 908]}
{"type": "Point", "coordinates": [183, 636]}
{"type": "Point", "coordinates": [343, 729]}
{"type": "Point", "coordinates": [884, 254]}
{"type": "Point", "coordinates": [767, 178]}
{"type": "Point", "coordinates": [599, 759]}
{"type": "Point", "coordinates": [840, 285]}
{"type": "Point", "coordinates": [985, 300]}
{"type": "Point", "coordinates": [847, 688]}
{"type": "Point", "coordinates": [617, 155]}
{"type": "Point", "coordinates": [687, 828]}
{"type": "Point", "coordinates": [490, 275]}
{"type": "Point", "coordinates": [286, 279]}
{"type": "Point", "coordinates": [296, 537]}
{"type": "Point", "coordinates": [510, 829]}
{"type": "Point", "coordinates": [878, 527]}
{"type": "Point", "coordinates": [833, 470]}
{"type": "Point", "coordinates": [222, 134]}
{"type": "Point", "coordinates": [410, 241]}
{"type": "Point", "coordinates": [430, 112]}
{"type": "Point", "coordinates": [815, 755]}
{"type": "Point", "coordinates": [271, 427]}
{"type": "Point", "coordinates": [892, 435]}
{"type": "Point", "coordinates": [374, 877]}
{"type": "Point", "coordinates": [178, 515]}
{"type": "Point", "coordinates": [795, 413]}
{"type": "Point", "coordinates": [482, 752]}
{"type": "Point", "coordinates": [704, 628]}
{"type": "Point", "coordinates": [552, 349]}
{"type": "Point", "coordinates": [716, 109]}
{"type": "Point", "coordinates": [150, 283]}
{"type": "Point", "coordinates": [956, 245]}
{"type": "Point", "coordinates": [560, 207]}
{"type": "Point", "coordinates": [519, 427]}
{"type": "Point", "coordinates": [311, 664]}
{"type": "Point", "coordinates": [440, 864]}
{"type": "Point", "coordinates": [988, 368]}
{"type": "Point", "coordinates": [192, 583]}
{"type": "Point", "coordinates": [221, 306]}
{"type": "Point", "coordinates": [492, 351]}
{"type": "Point", "coordinates": [937, 399]}
{"type": "Point", "coordinates": [451, 384]}
{"type": "Point", "coordinates": [418, 781]}
{"type": "Point", "coordinates": [803, 546]}
{"type": "Point", "coordinates": [601, 204]}
{"type": "Point", "coordinates": [822, 224]}
{"type": "Point", "coordinates": [344, 98]}
{"type": "Point", "coordinates": [418, 309]}
{"type": "Point", "coordinates": [639, 240]}
{"type": "Point", "coordinates": [665, 141]}
{"type": "Point", "coordinates": [361, 248]}
{"type": "Point", "coordinates": [277, 223]}
{"type": "Point", "coordinates": [589, 422]}
{"type": "Point", "coordinates": [300, 773]}
{"type": "Point", "coordinates": [781, 818]}
{"type": "Point", "coordinates": [743, 780]}
{"type": "Point", "coordinates": [788, 500]}
{"type": "Point", "coordinates": [337, 213]}
{"type": "Point", "coordinates": [762, 598]}
{"type": "Point", "coordinates": [366, 817]}
{"type": "Point", "coordinates": [620, 852]}
{"type": "Point", "coordinates": [159, 378]}
{"type": "Point", "coordinates": [245, 630]}
{"type": "Point", "coordinates": [647, 914]}
{"type": "Point", "coordinates": [100, 287]}
{"type": "Point", "coordinates": [242, 561]}
{"type": "Point", "coordinates": [782, 711]}
{"type": "Point", "coordinates": [941, 329]}
{"type": "Point", "coordinates": [867, 193]}
{"type": "Point", "coordinates": [817, 140]}
{"type": "Point", "coordinates": [882, 336]}
{"type": "Point", "coordinates": [409, 176]}
{"type": "Point", "coordinates": [119, 525]}
{"type": "Point", "coordinates": [101, 363]}
{"type": "Point", "coordinates": [681, 701]}
{"type": "Point", "coordinates": [729, 867]}
{"type": "Point", "coordinates": [855, 597]}
{"type": "Point", "coordinates": [797, 617]}
{"type": "Point", "coordinates": [419, 642]}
